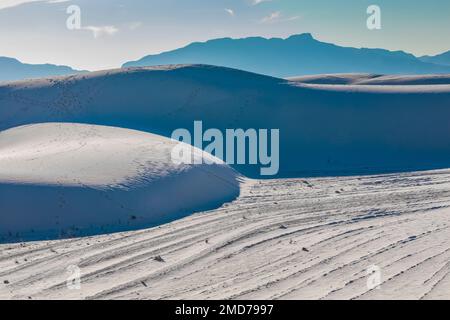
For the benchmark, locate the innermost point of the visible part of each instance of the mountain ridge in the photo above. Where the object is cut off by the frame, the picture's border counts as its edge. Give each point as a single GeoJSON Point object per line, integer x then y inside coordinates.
{"type": "Point", "coordinates": [12, 69]}
{"type": "Point", "coordinates": [296, 55]}
{"type": "Point", "coordinates": [442, 58]}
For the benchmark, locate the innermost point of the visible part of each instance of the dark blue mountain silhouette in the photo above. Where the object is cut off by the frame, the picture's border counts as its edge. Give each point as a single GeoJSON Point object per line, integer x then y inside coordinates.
{"type": "Point", "coordinates": [12, 69]}
{"type": "Point", "coordinates": [296, 55]}
{"type": "Point", "coordinates": [442, 59]}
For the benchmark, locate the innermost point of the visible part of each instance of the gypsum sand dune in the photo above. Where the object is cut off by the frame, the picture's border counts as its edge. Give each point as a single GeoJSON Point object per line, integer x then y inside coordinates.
{"type": "Point", "coordinates": [65, 180]}
{"type": "Point", "coordinates": [373, 79]}
{"type": "Point", "coordinates": [324, 130]}
{"type": "Point", "coordinates": [280, 239]}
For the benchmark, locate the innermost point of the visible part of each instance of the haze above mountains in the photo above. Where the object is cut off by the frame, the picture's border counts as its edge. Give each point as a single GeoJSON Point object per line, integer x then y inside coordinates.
{"type": "Point", "coordinates": [295, 56]}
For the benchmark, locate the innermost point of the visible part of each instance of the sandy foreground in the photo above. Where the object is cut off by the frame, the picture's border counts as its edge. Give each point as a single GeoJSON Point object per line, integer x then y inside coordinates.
{"type": "Point", "coordinates": [281, 239]}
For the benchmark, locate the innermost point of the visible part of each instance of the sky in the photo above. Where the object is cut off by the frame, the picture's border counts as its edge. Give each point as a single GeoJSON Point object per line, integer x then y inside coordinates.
{"type": "Point", "coordinates": [112, 32]}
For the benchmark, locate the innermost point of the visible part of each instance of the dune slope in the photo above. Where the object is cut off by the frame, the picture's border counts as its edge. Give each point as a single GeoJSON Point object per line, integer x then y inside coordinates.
{"type": "Point", "coordinates": [373, 79]}
{"type": "Point", "coordinates": [60, 180]}
{"type": "Point", "coordinates": [324, 129]}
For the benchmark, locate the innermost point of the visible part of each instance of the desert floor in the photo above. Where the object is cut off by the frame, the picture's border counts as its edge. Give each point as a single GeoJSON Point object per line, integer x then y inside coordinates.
{"type": "Point", "coordinates": [281, 239]}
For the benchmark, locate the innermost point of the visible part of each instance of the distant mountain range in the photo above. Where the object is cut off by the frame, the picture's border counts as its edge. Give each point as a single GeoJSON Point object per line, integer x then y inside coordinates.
{"type": "Point", "coordinates": [442, 59]}
{"type": "Point", "coordinates": [297, 55]}
{"type": "Point", "coordinates": [12, 69]}
{"type": "Point", "coordinates": [294, 56]}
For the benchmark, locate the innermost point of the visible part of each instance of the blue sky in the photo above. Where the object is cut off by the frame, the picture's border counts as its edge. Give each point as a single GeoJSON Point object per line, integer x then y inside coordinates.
{"type": "Point", "coordinates": [115, 31]}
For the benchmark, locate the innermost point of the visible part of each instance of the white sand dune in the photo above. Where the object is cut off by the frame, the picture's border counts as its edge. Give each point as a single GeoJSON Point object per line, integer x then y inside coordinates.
{"type": "Point", "coordinates": [281, 239]}
{"type": "Point", "coordinates": [336, 78]}
{"type": "Point", "coordinates": [433, 79]}
{"type": "Point", "coordinates": [373, 79]}
{"type": "Point", "coordinates": [59, 180]}
{"type": "Point", "coordinates": [324, 129]}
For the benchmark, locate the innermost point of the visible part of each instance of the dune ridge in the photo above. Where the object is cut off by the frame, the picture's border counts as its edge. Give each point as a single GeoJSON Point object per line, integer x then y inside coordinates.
{"type": "Point", "coordinates": [324, 129]}
{"type": "Point", "coordinates": [62, 180]}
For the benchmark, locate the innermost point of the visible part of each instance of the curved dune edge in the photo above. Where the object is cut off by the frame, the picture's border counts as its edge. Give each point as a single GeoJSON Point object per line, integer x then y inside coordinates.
{"type": "Point", "coordinates": [64, 180]}
{"type": "Point", "coordinates": [372, 79]}
{"type": "Point", "coordinates": [325, 130]}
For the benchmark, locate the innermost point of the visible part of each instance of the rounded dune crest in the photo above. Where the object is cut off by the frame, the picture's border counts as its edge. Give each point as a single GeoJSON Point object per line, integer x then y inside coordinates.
{"type": "Point", "coordinates": [59, 180]}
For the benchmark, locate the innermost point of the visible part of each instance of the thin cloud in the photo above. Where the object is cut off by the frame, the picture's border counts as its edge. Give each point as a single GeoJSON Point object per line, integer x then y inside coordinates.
{"type": "Point", "coordinates": [230, 12]}
{"type": "Point", "coordinates": [277, 16]}
{"type": "Point", "coordinates": [256, 2]}
{"type": "Point", "coordinates": [292, 18]}
{"type": "Point", "coordinates": [274, 16]}
{"type": "Point", "coordinates": [4, 4]}
{"type": "Point", "coordinates": [100, 31]}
